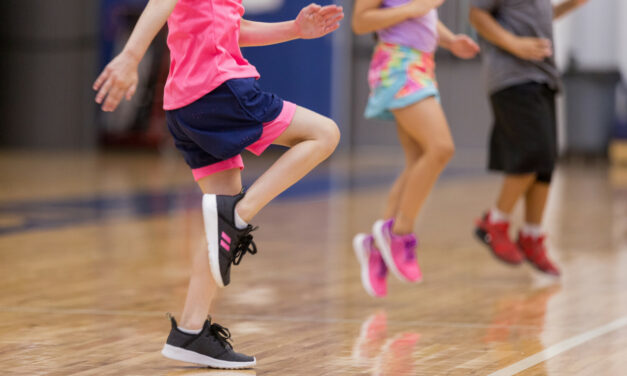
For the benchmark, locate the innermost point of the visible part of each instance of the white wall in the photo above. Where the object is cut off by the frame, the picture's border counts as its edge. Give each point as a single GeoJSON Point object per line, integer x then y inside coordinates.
{"type": "Point", "coordinates": [595, 35]}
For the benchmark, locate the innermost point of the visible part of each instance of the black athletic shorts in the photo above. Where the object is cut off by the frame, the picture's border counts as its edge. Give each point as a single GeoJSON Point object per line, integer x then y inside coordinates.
{"type": "Point", "coordinates": [524, 135]}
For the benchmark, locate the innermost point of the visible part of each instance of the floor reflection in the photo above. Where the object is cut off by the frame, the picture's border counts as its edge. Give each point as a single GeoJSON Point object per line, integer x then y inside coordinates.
{"type": "Point", "coordinates": [382, 352]}
{"type": "Point", "coordinates": [518, 323]}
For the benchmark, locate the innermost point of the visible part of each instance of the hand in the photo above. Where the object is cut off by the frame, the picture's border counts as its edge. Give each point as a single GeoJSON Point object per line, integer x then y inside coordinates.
{"type": "Point", "coordinates": [534, 49]}
{"type": "Point", "coordinates": [418, 8]}
{"type": "Point", "coordinates": [463, 47]}
{"type": "Point", "coordinates": [117, 80]}
{"type": "Point", "coordinates": [315, 21]}
{"type": "Point", "coordinates": [579, 2]}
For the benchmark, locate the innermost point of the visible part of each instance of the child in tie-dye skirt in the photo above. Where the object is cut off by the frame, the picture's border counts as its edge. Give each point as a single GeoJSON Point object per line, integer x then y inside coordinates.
{"type": "Point", "coordinates": [403, 88]}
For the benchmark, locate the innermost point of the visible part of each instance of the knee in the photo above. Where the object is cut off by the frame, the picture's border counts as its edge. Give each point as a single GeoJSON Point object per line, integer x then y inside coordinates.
{"type": "Point", "coordinates": [441, 152]}
{"type": "Point", "coordinates": [328, 136]}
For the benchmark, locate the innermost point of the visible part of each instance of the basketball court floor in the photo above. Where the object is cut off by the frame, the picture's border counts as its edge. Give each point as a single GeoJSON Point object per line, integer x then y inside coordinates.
{"type": "Point", "coordinates": [94, 250]}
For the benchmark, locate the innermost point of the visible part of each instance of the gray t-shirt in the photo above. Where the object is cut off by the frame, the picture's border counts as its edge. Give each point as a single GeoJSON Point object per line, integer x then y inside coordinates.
{"type": "Point", "coordinates": [525, 18]}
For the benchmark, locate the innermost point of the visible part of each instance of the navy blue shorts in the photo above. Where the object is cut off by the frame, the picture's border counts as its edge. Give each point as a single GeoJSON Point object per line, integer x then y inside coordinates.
{"type": "Point", "coordinates": [212, 132]}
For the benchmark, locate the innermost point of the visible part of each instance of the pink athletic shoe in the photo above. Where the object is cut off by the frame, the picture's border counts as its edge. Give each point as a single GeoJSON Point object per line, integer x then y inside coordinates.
{"type": "Point", "coordinates": [373, 269]}
{"type": "Point", "coordinates": [398, 252]}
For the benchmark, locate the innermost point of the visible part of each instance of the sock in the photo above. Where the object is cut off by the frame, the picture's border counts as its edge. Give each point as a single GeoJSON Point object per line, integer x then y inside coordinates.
{"type": "Point", "coordinates": [497, 216]}
{"type": "Point", "coordinates": [530, 229]}
{"type": "Point", "coordinates": [189, 331]}
{"type": "Point", "coordinates": [239, 222]}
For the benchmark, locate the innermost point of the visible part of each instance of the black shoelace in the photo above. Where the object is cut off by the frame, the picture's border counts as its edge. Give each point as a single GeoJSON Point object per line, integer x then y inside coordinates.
{"type": "Point", "coordinates": [222, 334]}
{"type": "Point", "coordinates": [245, 245]}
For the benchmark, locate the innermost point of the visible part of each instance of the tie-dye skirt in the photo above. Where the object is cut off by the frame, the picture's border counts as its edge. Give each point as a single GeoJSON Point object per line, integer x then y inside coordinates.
{"type": "Point", "coordinates": [398, 77]}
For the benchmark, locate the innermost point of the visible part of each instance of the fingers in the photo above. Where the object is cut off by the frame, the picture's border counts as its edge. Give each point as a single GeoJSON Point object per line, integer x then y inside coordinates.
{"type": "Point", "coordinates": [102, 93]}
{"type": "Point", "coordinates": [131, 91]}
{"type": "Point", "coordinates": [101, 79]}
{"type": "Point", "coordinates": [113, 99]}
{"type": "Point", "coordinates": [330, 9]}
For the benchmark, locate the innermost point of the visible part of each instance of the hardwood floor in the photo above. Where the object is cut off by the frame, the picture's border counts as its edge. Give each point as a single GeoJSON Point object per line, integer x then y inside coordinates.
{"type": "Point", "coordinates": [94, 250]}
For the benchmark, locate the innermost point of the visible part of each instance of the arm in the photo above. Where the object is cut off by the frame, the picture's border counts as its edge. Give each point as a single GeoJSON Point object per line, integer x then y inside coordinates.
{"type": "Point", "coordinates": [566, 7]}
{"type": "Point", "coordinates": [445, 35]}
{"type": "Point", "coordinates": [119, 78]}
{"type": "Point", "coordinates": [525, 48]}
{"type": "Point", "coordinates": [313, 21]}
{"type": "Point", "coordinates": [369, 17]}
{"type": "Point", "coordinates": [460, 45]}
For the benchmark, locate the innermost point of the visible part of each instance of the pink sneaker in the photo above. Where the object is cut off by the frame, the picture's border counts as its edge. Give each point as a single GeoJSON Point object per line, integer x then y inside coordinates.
{"type": "Point", "coordinates": [373, 269]}
{"type": "Point", "coordinates": [398, 252]}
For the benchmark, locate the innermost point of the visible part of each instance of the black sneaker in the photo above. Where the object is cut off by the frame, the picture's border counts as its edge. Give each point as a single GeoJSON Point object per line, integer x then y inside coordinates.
{"type": "Point", "coordinates": [227, 243]}
{"type": "Point", "coordinates": [210, 347]}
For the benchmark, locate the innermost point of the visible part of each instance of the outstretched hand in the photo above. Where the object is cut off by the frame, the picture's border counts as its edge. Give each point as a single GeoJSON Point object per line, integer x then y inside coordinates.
{"type": "Point", "coordinates": [315, 21]}
{"type": "Point", "coordinates": [117, 80]}
{"type": "Point", "coordinates": [464, 47]}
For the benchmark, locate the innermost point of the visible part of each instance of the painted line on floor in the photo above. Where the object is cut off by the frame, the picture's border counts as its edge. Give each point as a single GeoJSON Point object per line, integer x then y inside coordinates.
{"type": "Point", "coordinates": [561, 347]}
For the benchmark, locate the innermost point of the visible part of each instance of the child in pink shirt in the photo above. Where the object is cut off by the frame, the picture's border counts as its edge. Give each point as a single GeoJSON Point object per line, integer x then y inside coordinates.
{"type": "Point", "coordinates": [215, 109]}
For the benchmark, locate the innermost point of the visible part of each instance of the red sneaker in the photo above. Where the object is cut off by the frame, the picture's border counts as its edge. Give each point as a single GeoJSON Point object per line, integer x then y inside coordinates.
{"type": "Point", "coordinates": [535, 252]}
{"type": "Point", "coordinates": [496, 236]}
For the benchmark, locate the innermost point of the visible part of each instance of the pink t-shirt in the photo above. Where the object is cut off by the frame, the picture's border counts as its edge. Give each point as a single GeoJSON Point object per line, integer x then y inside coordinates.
{"type": "Point", "coordinates": [204, 49]}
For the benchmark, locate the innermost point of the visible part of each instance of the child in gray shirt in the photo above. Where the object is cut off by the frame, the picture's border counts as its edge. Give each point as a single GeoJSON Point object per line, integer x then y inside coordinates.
{"type": "Point", "coordinates": [522, 80]}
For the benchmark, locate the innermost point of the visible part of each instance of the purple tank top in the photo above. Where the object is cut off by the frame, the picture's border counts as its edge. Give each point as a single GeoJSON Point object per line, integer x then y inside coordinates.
{"type": "Point", "coordinates": [420, 33]}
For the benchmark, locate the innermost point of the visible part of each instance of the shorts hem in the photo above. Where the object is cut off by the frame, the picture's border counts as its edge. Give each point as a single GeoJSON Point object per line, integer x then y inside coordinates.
{"type": "Point", "coordinates": [228, 164]}
{"type": "Point", "coordinates": [386, 112]}
{"type": "Point", "coordinates": [273, 129]}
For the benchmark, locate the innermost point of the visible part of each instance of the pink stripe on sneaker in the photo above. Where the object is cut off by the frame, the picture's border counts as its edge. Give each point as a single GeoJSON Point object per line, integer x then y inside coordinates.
{"type": "Point", "coordinates": [223, 244]}
{"type": "Point", "coordinates": [273, 129]}
{"type": "Point", "coordinates": [203, 172]}
{"type": "Point", "coordinates": [226, 237]}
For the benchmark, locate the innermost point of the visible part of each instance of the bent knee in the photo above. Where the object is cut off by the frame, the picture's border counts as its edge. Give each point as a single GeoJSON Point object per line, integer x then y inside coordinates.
{"type": "Point", "coordinates": [328, 134]}
{"type": "Point", "coordinates": [442, 152]}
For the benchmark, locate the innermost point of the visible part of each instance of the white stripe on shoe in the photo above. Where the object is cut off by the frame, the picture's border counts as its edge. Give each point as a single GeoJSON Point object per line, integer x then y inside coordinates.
{"type": "Point", "coordinates": [177, 353]}
{"type": "Point", "coordinates": [210, 215]}
{"type": "Point", "coordinates": [385, 249]}
{"type": "Point", "coordinates": [362, 257]}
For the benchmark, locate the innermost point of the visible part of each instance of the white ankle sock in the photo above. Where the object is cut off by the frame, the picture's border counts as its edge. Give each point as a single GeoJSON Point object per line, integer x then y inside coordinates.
{"type": "Point", "coordinates": [189, 331]}
{"type": "Point", "coordinates": [239, 222]}
{"type": "Point", "coordinates": [529, 229]}
{"type": "Point", "coordinates": [497, 216]}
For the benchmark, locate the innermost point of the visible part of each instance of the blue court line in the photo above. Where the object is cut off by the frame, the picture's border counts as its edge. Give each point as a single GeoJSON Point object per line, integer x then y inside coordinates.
{"type": "Point", "coordinates": [52, 214]}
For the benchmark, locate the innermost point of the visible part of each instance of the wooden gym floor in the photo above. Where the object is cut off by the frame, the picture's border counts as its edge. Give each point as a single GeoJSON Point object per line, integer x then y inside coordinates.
{"type": "Point", "coordinates": [94, 251]}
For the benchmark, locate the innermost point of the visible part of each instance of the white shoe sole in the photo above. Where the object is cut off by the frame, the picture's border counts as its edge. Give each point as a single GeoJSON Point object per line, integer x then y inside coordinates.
{"type": "Point", "coordinates": [177, 353]}
{"type": "Point", "coordinates": [361, 253]}
{"type": "Point", "coordinates": [210, 215]}
{"type": "Point", "coordinates": [386, 252]}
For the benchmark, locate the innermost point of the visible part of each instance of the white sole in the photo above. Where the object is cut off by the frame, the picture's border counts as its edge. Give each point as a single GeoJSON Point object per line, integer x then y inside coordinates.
{"type": "Point", "coordinates": [210, 215]}
{"type": "Point", "coordinates": [177, 353]}
{"type": "Point", "coordinates": [360, 252]}
{"type": "Point", "coordinates": [386, 252]}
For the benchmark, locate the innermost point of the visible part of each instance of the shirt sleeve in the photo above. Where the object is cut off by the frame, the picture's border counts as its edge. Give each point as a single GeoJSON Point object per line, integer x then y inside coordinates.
{"type": "Point", "coordinates": [487, 5]}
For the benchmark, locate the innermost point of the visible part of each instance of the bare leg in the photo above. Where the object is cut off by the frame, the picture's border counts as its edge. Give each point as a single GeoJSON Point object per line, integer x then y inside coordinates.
{"type": "Point", "coordinates": [412, 153]}
{"type": "Point", "coordinates": [202, 288]}
{"type": "Point", "coordinates": [535, 202]}
{"type": "Point", "coordinates": [514, 186]}
{"type": "Point", "coordinates": [311, 138]}
{"type": "Point", "coordinates": [426, 124]}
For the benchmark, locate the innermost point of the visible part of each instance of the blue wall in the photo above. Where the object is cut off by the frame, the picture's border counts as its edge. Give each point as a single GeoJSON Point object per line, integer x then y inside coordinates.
{"type": "Point", "coordinates": [298, 71]}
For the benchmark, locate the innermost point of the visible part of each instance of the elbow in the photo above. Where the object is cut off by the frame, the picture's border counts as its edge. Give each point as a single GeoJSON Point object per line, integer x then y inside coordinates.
{"type": "Point", "coordinates": [475, 17]}
{"type": "Point", "coordinates": [359, 26]}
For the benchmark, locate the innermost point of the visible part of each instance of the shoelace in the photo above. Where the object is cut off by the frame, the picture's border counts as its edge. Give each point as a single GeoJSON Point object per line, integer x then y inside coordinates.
{"type": "Point", "coordinates": [220, 333]}
{"type": "Point", "coordinates": [245, 245]}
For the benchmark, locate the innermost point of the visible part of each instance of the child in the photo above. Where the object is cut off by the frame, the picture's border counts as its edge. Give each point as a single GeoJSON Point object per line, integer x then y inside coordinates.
{"type": "Point", "coordinates": [215, 109]}
{"type": "Point", "coordinates": [403, 88]}
{"type": "Point", "coordinates": [522, 83]}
